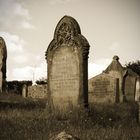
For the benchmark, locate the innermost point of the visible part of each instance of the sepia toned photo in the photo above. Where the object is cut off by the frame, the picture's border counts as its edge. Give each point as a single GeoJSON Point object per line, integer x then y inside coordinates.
{"type": "Point", "coordinates": [69, 70]}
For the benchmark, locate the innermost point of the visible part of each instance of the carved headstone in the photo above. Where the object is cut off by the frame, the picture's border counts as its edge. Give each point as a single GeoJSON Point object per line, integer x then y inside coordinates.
{"type": "Point", "coordinates": [67, 58]}
{"type": "Point", "coordinates": [103, 88]}
{"type": "Point", "coordinates": [3, 57]}
{"type": "Point", "coordinates": [24, 90]}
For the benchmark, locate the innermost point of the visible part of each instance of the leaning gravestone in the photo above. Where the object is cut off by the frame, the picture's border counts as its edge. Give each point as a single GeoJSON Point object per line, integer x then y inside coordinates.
{"type": "Point", "coordinates": [3, 57]}
{"type": "Point", "coordinates": [67, 59]}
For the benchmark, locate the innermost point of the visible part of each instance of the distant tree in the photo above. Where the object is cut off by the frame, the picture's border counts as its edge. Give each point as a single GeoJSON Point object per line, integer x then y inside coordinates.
{"type": "Point", "coordinates": [135, 66]}
{"type": "Point", "coordinates": [16, 86]}
{"type": "Point", "coordinates": [41, 81]}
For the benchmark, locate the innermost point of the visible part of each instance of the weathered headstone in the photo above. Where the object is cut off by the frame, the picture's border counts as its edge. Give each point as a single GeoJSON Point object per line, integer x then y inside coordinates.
{"type": "Point", "coordinates": [3, 57]}
{"type": "Point", "coordinates": [67, 58]}
{"type": "Point", "coordinates": [137, 96]}
{"type": "Point", "coordinates": [24, 90]}
{"type": "Point", "coordinates": [103, 88]}
{"type": "Point", "coordinates": [37, 91]}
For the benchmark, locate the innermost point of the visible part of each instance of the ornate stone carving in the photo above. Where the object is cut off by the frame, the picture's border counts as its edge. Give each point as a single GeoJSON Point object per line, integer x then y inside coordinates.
{"type": "Point", "coordinates": [64, 34]}
{"type": "Point", "coordinates": [68, 32]}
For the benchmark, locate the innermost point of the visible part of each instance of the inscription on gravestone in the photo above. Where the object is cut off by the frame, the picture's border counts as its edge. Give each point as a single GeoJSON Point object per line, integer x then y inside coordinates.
{"type": "Point", "coordinates": [64, 76]}
{"type": "Point", "coordinates": [105, 89]}
{"type": "Point", "coordinates": [101, 87]}
{"type": "Point", "coordinates": [67, 59]}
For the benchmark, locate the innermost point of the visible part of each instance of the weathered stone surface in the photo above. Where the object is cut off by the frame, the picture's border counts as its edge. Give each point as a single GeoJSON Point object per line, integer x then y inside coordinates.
{"type": "Point", "coordinates": [130, 87]}
{"type": "Point", "coordinates": [3, 57]}
{"type": "Point", "coordinates": [139, 112]}
{"type": "Point", "coordinates": [127, 81]}
{"type": "Point", "coordinates": [102, 88]}
{"type": "Point", "coordinates": [35, 91]}
{"type": "Point", "coordinates": [67, 58]}
{"type": "Point", "coordinates": [24, 90]}
{"type": "Point", "coordinates": [64, 136]}
{"type": "Point", "coordinates": [137, 97]}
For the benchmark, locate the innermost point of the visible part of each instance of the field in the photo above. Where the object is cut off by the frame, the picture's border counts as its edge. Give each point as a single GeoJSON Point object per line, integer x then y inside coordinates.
{"type": "Point", "coordinates": [18, 121]}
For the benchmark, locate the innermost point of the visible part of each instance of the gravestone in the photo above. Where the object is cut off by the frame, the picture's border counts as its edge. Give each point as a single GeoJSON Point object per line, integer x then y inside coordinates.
{"type": "Point", "coordinates": [137, 96]}
{"type": "Point", "coordinates": [103, 88]}
{"type": "Point", "coordinates": [24, 90]}
{"type": "Point", "coordinates": [3, 57]}
{"type": "Point", "coordinates": [67, 59]}
{"type": "Point", "coordinates": [37, 91]}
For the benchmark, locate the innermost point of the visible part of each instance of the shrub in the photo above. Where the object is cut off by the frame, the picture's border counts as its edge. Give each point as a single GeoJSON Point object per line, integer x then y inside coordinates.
{"type": "Point", "coordinates": [16, 86]}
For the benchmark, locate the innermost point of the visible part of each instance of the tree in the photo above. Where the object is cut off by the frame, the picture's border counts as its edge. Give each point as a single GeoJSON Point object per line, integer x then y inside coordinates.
{"type": "Point", "coordinates": [17, 86]}
{"type": "Point", "coordinates": [135, 66]}
{"type": "Point", "coordinates": [41, 81]}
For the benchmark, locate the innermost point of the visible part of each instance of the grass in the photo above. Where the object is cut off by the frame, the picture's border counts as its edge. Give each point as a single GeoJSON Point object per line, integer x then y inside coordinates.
{"type": "Point", "coordinates": [100, 122]}
{"type": "Point", "coordinates": [14, 101]}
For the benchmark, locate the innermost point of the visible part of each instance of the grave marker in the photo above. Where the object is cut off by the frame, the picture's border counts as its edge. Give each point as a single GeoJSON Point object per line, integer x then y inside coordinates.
{"type": "Point", "coordinates": [67, 59]}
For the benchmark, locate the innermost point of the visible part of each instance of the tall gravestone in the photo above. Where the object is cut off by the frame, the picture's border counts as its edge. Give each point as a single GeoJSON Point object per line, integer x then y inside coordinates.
{"type": "Point", "coordinates": [3, 57]}
{"type": "Point", "coordinates": [67, 59]}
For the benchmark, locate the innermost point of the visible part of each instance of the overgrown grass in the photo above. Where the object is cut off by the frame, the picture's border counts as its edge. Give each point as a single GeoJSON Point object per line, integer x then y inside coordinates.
{"type": "Point", "coordinates": [100, 122]}
{"type": "Point", "coordinates": [15, 101]}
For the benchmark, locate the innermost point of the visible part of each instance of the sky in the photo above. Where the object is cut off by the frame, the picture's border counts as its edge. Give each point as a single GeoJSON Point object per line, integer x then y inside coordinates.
{"type": "Point", "coordinates": [112, 27]}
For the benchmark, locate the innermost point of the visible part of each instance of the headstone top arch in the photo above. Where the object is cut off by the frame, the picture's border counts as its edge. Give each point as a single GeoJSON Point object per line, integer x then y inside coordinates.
{"type": "Point", "coordinates": [68, 32]}
{"type": "Point", "coordinates": [67, 25]}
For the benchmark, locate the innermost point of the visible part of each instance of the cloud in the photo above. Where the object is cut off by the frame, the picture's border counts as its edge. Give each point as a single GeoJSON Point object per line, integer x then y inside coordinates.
{"type": "Point", "coordinates": [18, 65]}
{"type": "Point", "coordinates": [17, 56]}
{"type": "Point", "coordinates": [12, 13]}
{"type": "Point", "coordinates": [27, 25]}
{"type": "Point", "coordinates": [24, 73]}
{"type": "Point", "coordinates": [20, 59]}
{"type": "Point", "coordinates": [29, 72]}
{"type": "Point", "coordinates": [104, 61]}
{"type": "Point", "coordinates": [16, 49]}
{"type": "Point", "coordinates": [94, 69]}
{"type": "Point", "coordinates": [41, 71]}
{"type": "Point", "coordinates": [19, 10]}
{"type": "Point", "coordinates": [97, 67]}
{"type": "Point", "coordinates": [53, 2]}
{"type": "Point", "coordinates": [115, 46]}
{"type": "Point", "coordinates": [13, 42]}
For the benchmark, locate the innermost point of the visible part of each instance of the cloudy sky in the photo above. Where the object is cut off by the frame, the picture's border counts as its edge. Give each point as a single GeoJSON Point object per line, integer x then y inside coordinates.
{"type": "Point", "coordinates": [112, 27]}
